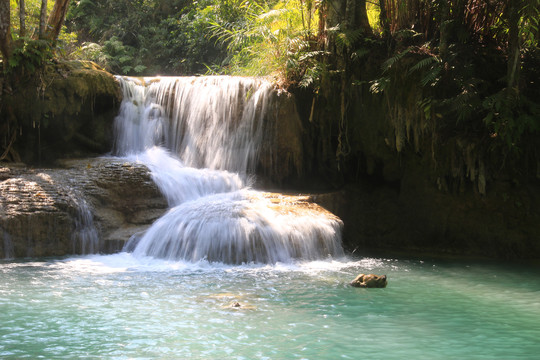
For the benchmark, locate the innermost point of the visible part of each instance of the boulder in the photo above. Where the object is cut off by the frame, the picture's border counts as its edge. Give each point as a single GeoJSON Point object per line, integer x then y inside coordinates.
{"type": "Point", "coordinates": [51, 212]}
{"type": "Point", "coordinates": [370, 281]}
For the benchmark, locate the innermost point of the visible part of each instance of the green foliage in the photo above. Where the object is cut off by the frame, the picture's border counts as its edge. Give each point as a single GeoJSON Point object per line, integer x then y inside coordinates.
{"type": "Point", "coordinates": [29, 55]}
{"type": "Point", "coordinates": [373, 13]}
{"type": "Point", "coordinates": [121, 56]}
{"type": "Point", "coordinates": [33, 8]}
{"type": "Point", "coordinates": [346, 39]}
{"type": "Point", "coordinates": [510, 116]}
{"type": "Point", "coordinates": [92, 52]}
{"type": "Point", "coordinates": [276, 40]}
{"type": "Point", "coordinates": [444, 84]}
{"type": "Point", "coordinates": [147, 37]}
{"type": "Point", "coordinates": [390, 62]}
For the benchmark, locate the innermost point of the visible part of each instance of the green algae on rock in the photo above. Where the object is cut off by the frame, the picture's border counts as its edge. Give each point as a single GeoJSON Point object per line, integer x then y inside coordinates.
{"type": "Point", "coordinates": [65, 110]}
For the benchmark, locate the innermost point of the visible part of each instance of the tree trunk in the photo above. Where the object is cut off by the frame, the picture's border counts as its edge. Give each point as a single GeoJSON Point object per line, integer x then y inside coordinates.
{"type": "Point", "coordinates": [331, 22]}
{"type": "Point", "coordinates": [347, 15]}
{"type": "Point", "coordinates": [22, 19]}
{"type": "Point", "coordinates": [56, 19]}
{"type": "Point", "coordinates": [5, 30]}
{"type": "Point", "coordinates": [514, 63]}
{"type": "Point", "coordinates": [443, 28]}
{"type": "Point", "coordinates": [43, 19]}
{"type": "Point", "coordinates": [360, 20]}
{"type": "Point", "coordinates": [383, 19]}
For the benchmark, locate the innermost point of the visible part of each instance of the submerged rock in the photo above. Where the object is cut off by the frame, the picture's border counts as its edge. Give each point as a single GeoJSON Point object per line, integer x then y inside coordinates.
{"type": "Point", "coordinates": [369, 281]}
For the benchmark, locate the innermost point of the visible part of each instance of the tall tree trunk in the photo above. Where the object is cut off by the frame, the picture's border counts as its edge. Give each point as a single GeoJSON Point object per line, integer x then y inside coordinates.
{"type": "Point", "coordinates": [360, 19]}
{"type": "Point", "coordinates": [5, 30]}
{"type": "Point", "coordinates": [514, 63]}
{"type": "Point", "coordinates": [43, 19]}
{"type": "Point", "coordinates": [332, 19]}
{"type": "Point", "coordinates": [56, 19]}
{"type": "Point", "coordinates": [22, 18]}
{"type": "Point", "coordinates": [444, 9]}
{"type": "Point", "coordinates": [347, 15]}
{"type": "Point", "coordinates": [383, 19]}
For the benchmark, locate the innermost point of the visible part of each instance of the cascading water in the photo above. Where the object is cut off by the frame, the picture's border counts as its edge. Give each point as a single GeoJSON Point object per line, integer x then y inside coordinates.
{"type": "Point", "coordinates": [8, 246]}
{"type": "Point", "coordinates": [209, 122]}
{"type": "Point", "coordinates": [85, 238]}
{"type": "Point", "coordinates": [200, 137]}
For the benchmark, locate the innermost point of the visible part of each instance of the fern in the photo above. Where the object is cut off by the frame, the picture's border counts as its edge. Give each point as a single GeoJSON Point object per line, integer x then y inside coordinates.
{"type": "Point", "coordinates": [379, 85]}
{"type": "Point", "coordinates": [360, 53]}
{"type": "Point", "coordinates": [311, 54]}
{"type": "Point", "coordinates": [139, 68]}
{"type": "Point", "coordinates": [431, 76]}
{"type": "Point", "coordinates": [346, 39]}
{"type": "Point", "coordinates": [424, 63]}
{"type": "Point", "coordinates": [394, 59]}
{"type": "Point", "coordinates": [407, 33]}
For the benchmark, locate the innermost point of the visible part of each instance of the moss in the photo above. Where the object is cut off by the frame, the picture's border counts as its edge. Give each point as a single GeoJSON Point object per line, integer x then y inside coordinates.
{"type": "Point", "coordinates": [65, 110]}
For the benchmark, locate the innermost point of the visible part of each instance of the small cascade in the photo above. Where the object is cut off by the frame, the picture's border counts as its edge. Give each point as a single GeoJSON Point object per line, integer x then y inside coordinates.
{"type": "Point", "coordinates": [9, 252]}
{"type": "Point", "coordinates": [242, 227]}
{"type": "Point", "coordinates": [180, 183]}
{"type": "Point", "coordinates": [85, 238]}
{"type": "Point", "coordinates": [200, 137]}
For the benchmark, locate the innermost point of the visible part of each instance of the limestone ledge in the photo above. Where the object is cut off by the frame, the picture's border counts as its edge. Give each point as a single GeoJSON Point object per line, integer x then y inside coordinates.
{"type": "Point", "coordinates": [39, 208]}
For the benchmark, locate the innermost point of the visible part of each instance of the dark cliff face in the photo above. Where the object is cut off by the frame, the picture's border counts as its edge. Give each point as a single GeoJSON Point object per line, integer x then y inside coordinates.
{"type": "Point", "coordinates": [64, 110]}
{"type": "Point", "coordinates": [442, 197]}
{"type": "Point", "coordinates": [281, 158]}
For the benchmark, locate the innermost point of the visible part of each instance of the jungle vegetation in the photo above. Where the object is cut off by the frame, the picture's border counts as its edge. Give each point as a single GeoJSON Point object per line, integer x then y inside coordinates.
{"type": "Point", "coordinates": [457, 80]}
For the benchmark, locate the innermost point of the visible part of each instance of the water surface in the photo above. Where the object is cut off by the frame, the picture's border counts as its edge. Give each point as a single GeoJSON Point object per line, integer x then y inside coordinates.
{"type": "Point", "coordinates": [122, 307]}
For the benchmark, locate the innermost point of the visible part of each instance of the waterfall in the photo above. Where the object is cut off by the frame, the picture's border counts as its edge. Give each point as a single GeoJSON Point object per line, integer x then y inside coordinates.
{"type": "Point", "coordinates": [212, 122]}
{"type": "Point", "coordinates": [200, 137]}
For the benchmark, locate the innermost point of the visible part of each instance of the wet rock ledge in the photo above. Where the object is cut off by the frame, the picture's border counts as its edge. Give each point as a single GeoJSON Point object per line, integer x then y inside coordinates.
{"type": "Point", "coordinates": [50, 212]}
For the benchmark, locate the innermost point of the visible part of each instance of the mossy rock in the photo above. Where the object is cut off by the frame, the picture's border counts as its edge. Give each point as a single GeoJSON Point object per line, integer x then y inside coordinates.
{"type": "Point", "coordinates": [65, 110]}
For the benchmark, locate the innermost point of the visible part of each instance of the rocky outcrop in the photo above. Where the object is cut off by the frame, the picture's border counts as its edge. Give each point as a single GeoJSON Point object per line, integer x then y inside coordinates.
{"type": "Point", "coordinates": [369, 281]}
{"type": "Point", "coordinates": [40, 209]}
{"type": "Point", "coordinates": [282, 154]}
{"type": "Point", "coordinates": [413, 217]}
{"type": "Point", "coordinates": [414, 188]}
{"type": "Point", "coordinates": [65, 110]}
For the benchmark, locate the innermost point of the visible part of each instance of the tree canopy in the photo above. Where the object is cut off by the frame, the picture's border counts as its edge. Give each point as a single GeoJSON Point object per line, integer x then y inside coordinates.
{"type": "Point", "coordinates": [441, 67]}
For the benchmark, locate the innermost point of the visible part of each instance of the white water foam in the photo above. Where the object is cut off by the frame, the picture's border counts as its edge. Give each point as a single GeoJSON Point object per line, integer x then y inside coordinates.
{"type": "Point", "coordinates": [200, 138]}
{"type": "Point", "coordinates": [125, 262]}
{"type": "Point", "coordinates": [180, 183]}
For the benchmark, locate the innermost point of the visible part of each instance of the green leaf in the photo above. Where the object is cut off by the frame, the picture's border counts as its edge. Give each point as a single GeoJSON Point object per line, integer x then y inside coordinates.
{"type": "Point", "coordinates": [394, 59]}
{"type": "Point", "coordinates": [422, 64]}
{"type": "Point", "coordinates": [139, 68]}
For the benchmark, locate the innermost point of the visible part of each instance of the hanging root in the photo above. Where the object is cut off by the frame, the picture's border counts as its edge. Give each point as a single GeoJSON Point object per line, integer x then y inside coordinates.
{"type": "Point", "coordinates": [9, 149]}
